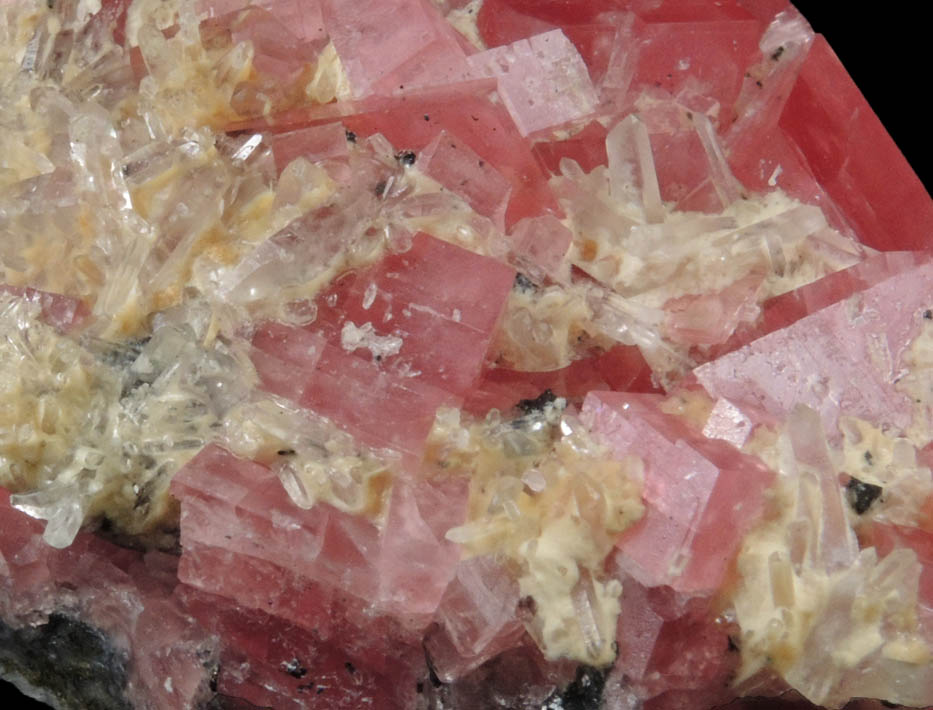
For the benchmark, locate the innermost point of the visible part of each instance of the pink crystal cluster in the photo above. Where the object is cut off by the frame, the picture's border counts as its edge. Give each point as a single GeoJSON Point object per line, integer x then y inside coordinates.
{"type": "Point", "coordinates": [126, 595]}
{"type": "Point", "coordinates": [280, 600]}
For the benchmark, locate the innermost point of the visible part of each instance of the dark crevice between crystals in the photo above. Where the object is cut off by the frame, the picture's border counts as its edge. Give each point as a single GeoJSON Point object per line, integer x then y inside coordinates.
{"type": "Point", "coordinates": [406, 157]}
{"type": "Point", "coordinates": [861, 495]}
{"type": "Point", "coordinates": [435, 693]}
{"type": "Point", "coordinates": [436, 682]}
{"type": "Point", "coordinates": [227, 702]}
{"type": "Point", "coordinates": [499, 682]}
{"type": "Point", "coordinates": [523, 283]}
{"type": "Point", "coordinates": [584, 693]}
{"type": "Point", "coordinates": [121, 356]}
{"type": "Point", "coordinates": [71, 660]}
{"type": "Point", "coordinates": [295, 669]}
{"type": "Point", "coordinates": [529, 406]}
{"type": "Point", "coordinates": [164, 538]}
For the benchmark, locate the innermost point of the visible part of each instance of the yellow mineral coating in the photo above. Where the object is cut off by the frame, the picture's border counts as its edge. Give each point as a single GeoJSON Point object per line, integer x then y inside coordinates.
{"type": "Point", "coordinates": [153, 192]}
{"type": "Point", "coordinates": [909, 650]}
{"type": "Point", "coordinates": [544, 329]}
{"type": "Point", "coordinates": [784, 594]}
{"type": "Point", "coordinates": [48, 386]}
{"type": "Point", "coordinates": [875, 456]}
{"type": "Point", "coordinates": [331, 470]}
{"type": "Point", "coordinates": [463, 20]}
{"type": "Point", "coordinates": [763, 444]}
{"type": "Point", "coordinates": [62, 423]}
{"type": "Point", "coordinates": [130, 321]}
{"type": "Point", "coordinates": [917, 382]}
{"type": "Point", "coordinates": [553, 507]}
{"type": "Point", "coordinates": [167, 297]}
{"type": "Point", "coordinates": [867, 450]}
{"type": "Point", "coordinates": [550, 504]}
{"type": "Point", "coordinates": [693, 406]}
{"type": "Point", "coordinates": [162, 14]}
{"type": "Point", "coordinates": [329, 81]}
{"type": "Point", "coordinates": [19, 160]}
{"type": "Point", "coordinates": [188, 87]}
{"type": "Point", "coordinates": [705, 262]}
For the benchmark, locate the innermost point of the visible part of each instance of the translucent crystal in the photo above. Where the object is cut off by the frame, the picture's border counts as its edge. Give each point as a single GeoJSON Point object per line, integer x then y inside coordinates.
{"type": "Point", "coordinates": [60, 506]}
{"type": "Point", "coordinates": [361, 311]}
{"type": "Point", "coordinates": [525, 67]}
{"type": "Point", "coordinates": [631, 166]}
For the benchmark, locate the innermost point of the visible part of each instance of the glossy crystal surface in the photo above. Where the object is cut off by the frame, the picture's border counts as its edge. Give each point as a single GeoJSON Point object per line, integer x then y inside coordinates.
{"type": "Point", "coordinates": [440, 354]}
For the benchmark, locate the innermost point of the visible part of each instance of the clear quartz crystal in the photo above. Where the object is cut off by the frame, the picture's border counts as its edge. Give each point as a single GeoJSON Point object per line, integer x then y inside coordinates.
{"type": "Point", "coordinates": [583, 596]}
{"type": "Point", "coordinates": [361, 482]}
{"type": "Point", "coordinates": [631, 167]}
{"type": "Point", "coordinates": [61, 506]}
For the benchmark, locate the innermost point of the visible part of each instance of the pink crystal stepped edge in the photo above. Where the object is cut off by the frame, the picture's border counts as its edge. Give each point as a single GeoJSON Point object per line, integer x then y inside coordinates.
{"type": "Point", "coordinates": [287, 606]}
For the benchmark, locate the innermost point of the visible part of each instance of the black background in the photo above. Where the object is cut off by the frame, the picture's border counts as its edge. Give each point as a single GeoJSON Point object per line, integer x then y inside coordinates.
{"type": "Point", "coordinates": [12, 699]}
{"type": "Point", "coordinates": [887, 50]}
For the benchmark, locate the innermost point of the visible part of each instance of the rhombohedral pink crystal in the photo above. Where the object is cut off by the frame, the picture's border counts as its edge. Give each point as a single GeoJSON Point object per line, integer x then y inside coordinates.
{"type": "Point", "coordinates": [457, 354]}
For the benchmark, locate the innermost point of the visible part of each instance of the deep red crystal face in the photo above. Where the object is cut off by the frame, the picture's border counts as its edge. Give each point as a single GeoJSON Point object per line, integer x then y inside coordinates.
{"type": "Point", "coordinates": [423, 354]}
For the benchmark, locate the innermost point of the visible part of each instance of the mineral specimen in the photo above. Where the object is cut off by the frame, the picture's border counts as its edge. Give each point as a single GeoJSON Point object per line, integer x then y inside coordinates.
{"type": "Point", "coordinates": [448, 354]}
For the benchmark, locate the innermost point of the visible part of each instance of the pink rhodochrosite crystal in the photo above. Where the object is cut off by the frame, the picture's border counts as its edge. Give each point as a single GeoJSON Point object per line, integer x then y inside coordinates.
{"type": "Point", "coordinates": [845, 359]}
{"type": "Point", "coordinates": [701, 495]}
{"type": "Point", "coordinates": [458, 354]}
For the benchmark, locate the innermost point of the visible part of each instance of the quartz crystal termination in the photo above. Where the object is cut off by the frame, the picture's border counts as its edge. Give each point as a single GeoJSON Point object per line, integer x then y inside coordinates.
{"type": "Point", "coordinates": [457, 355]}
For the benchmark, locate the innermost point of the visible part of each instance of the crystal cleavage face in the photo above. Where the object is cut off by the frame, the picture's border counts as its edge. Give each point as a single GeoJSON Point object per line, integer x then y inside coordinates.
{"type": "Point", "coordinates": [443, 354]}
